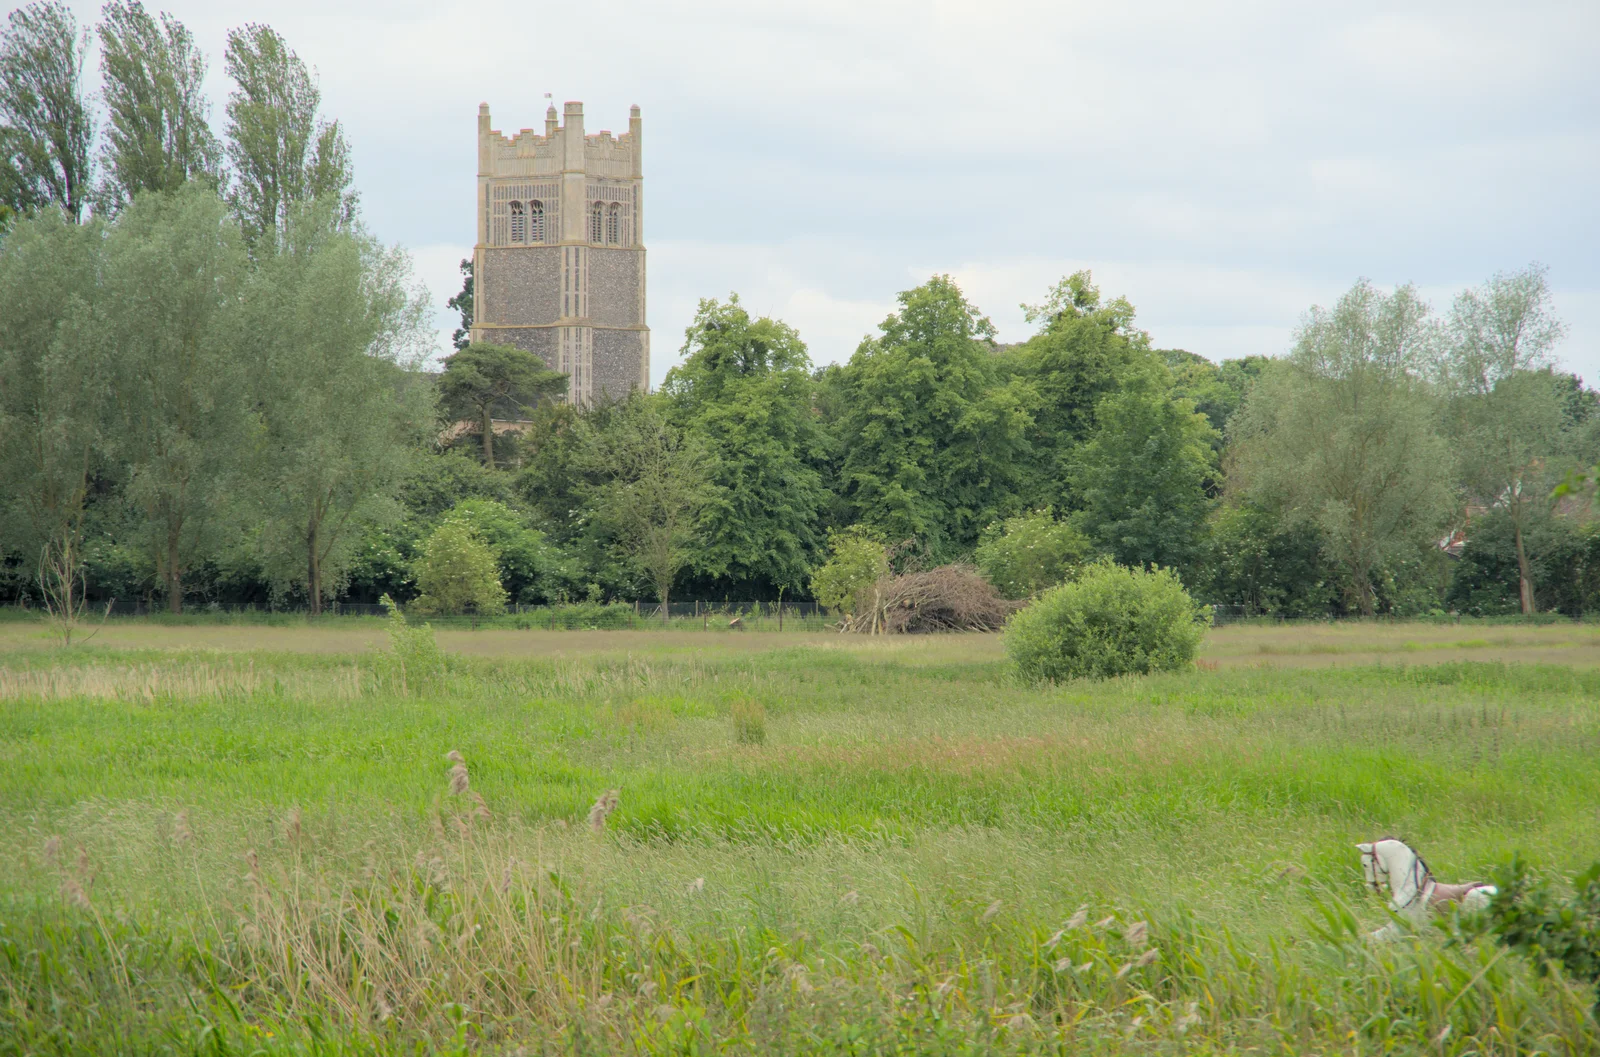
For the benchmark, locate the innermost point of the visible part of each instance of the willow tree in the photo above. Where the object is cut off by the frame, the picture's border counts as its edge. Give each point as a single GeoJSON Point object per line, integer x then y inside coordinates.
{"type": "Point", "coordinates": [175, 268]}
{"type": "Point", "coordinates": [334, 330]}
{"type": "Point", "coordinates": [1343, 434]}
{"type": "Point", "coordinates": [1507, 409]}
{"type": "Point", "coordinates": [55, 399]}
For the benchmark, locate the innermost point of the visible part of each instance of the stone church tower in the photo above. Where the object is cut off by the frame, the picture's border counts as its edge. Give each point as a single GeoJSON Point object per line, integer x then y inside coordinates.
{"type": "Point", "coordinates": [559, 263]}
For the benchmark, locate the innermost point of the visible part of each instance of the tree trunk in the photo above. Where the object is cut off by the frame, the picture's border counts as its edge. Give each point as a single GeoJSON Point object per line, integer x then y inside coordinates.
{"type": "Point", "coordinates": [1363, 586]}
{"type": "Point", "coordinates": [488, 438]}
{"type": "Point", "coordinates": [174, 574]}
{"type": "Point", "coordinates": [1524, 574]}
{"type": "Point", "coordinates": [313, 570]}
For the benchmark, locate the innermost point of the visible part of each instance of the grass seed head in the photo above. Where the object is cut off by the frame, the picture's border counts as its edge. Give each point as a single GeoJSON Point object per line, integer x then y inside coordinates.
{"type": "Point", "coordinates": [1137, 933]}
{"type": "Point", "coordinates": [454, 756]}
{"type": "Point", "coordinates": [994, 909]}
{"type": "Point", "coordinates": [52, 850]}
{"type": "Point", "coordinates": [74, 894]}
{"type": "Point", "coordinates": [602, 809]}
{"type": "Point", "coordinates": [480, 810]}
{"type": "Point", "coordinates": [458, 779]}
{"type": "Point", "coordinates": [291, 825]}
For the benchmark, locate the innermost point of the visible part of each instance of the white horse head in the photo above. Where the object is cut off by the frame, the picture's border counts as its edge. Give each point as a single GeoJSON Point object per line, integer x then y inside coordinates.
{"type": "Point", "coordinates": [1413, 890]}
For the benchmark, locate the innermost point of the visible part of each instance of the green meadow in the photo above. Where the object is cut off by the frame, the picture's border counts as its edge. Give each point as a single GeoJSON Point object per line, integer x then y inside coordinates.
{"type": "Point", "coordinates": [250, 839]}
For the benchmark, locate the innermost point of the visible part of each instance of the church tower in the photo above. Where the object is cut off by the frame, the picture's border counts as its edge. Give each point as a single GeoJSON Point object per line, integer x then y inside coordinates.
{"type": "Point", "coordinates": [558, 268]}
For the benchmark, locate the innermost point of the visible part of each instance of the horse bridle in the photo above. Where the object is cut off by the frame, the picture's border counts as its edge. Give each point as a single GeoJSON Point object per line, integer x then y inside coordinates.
{"type": "Point", "coordinates": [1421, 873]}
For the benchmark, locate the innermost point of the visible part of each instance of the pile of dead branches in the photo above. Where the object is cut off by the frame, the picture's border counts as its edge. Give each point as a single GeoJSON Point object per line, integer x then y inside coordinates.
{"type": "Point", "coordinates": [949, 598]}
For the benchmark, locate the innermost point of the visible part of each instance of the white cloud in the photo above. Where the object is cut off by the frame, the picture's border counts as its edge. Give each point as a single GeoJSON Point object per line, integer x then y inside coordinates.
{"type": "Point", "coordinates": [1224, 165]}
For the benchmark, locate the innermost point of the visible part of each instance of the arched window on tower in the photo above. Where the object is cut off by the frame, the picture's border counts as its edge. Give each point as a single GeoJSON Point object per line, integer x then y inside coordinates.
{"type": "Point", "coordinates": [614, 225]}
{"type": "Point", "coordinates": [519, 223]}
{"type": "Point", "coordinates": [536, 221]}
{"type": "Point", "coordinates": [594, 222]}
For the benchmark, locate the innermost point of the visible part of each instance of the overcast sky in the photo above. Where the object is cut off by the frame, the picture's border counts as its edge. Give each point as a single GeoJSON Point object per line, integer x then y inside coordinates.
{"type": "Point", "coordinates": [1225, 165]}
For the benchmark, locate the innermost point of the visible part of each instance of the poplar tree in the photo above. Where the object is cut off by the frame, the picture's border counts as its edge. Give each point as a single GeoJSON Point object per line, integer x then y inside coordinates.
{"type": "Point", "coordinates": [280, 151]}
{"type": "Point", "coordinates": [157, 137]}
{"type": "Point", "coordinates": [45, 123]}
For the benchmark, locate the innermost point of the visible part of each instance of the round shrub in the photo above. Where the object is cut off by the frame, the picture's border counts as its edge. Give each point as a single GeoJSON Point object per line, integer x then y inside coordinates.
{"type": "Point", "coordinates": [1111, 620]}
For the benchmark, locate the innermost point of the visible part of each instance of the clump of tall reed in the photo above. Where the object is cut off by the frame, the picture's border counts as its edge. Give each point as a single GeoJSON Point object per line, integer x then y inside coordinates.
{"type": "Point", "coordinates": [416, 664]}
{"type": "Point", "coordinates": [749, 721]}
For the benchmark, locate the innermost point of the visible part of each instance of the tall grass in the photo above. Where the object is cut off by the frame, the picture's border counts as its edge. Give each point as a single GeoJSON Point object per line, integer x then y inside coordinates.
{"type": "Point", "coordinates": [219, 854]}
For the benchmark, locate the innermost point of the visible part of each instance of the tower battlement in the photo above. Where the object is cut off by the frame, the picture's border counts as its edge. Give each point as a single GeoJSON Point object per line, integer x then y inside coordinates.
{"type": "Point", "coordinates": [560, 260]}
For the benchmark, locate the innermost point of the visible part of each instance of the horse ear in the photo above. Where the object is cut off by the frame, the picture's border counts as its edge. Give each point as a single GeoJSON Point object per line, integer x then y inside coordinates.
{"type": "Point", "coordinates": [1363, 848]}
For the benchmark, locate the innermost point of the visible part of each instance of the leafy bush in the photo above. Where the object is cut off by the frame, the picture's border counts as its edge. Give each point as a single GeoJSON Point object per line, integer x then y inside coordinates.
{"type": "Point", "coordinates": [1529, 915]}
{"type": "Point", "coordinates": [858, 562]}
{"type": "Point", "coordinates": [458, 572]}
{"type": "Point", "coordinates": [1025, 554]}
{"type": "Point", "coordinates": [531, 567]}
{"type": "Point", "coordinates": [1110, 621]}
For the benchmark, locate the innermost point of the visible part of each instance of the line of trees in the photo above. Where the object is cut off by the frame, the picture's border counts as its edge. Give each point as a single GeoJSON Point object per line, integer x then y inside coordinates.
{"type": "Point", "coordinates": [211, 390]}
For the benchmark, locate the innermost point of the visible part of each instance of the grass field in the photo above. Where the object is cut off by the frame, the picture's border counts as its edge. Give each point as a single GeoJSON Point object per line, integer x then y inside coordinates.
{"type": "Point", "coordinates": [249, 839]}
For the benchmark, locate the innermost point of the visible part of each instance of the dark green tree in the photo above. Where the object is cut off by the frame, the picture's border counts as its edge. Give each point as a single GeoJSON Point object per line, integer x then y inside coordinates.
{"type": "Point", "coordinates": [45, 125]}
{"type": "Point", "coordinates": [1145, 477]}
{"type": "Point", "coordinates": [462, 303]}
{"type": "Point", "coordinates": [1086, 349]}
{"type": "Point", "coordinates": [933, 438]}
{"type": "Point", "coordinates": [157, 135]}
{"type": "Point", "coordinates": [745, 390]}
{"type": "Point", "coordinates": [482, 380]}
{"type": "Point", "coordinates": [651, 485]}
